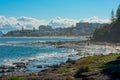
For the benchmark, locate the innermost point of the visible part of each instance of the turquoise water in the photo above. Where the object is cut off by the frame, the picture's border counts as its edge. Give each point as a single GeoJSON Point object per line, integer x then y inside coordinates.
{"type": "Point", "coordinates": [33, 56]}
{"type": "Point", "coordinates": [18, 40]}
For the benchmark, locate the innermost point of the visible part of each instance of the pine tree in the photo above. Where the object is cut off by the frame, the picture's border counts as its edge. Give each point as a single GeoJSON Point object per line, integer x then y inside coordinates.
{"type": "Point", "coordinates": [118, 13]}
{"type": "Point", "coordinates": [112, 16]}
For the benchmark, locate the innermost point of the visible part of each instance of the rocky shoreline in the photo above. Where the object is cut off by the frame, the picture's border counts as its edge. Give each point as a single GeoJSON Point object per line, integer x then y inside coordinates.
{"type": "Point", "coordinates": [65, 71]}
{"type": "Point", "coordinates": [18, 67]}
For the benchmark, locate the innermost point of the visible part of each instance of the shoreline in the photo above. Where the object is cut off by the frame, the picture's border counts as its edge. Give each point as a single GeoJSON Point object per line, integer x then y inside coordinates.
{"type": "Point", "coordinates": [86, 36]}
{"type": "Point", "coordinates": [76, 45]}
{"type": "Point", "coordinates": [40, 43]}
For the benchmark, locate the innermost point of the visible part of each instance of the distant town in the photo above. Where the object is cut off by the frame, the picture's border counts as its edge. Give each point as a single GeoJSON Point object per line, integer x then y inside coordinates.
{"type": "Point", "coordinates": [79, 29]}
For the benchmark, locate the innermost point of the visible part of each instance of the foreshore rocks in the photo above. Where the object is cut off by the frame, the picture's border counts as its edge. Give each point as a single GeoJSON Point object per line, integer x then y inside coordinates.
{"type": "Point", "coordinates": [70, 61]}
{"type": "Point", "coordinates": [5, 68]}
{"type": "Point", "coordinates": [17, 66]}
{"type": "Point", "coordinates": [38, 66]}
{"type": "Point", "coordinates": [63, 70]}
{"type": "Point", "coordinates": [20, 64]}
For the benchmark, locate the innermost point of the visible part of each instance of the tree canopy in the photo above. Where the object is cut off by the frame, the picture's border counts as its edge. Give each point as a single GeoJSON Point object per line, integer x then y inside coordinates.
{"type": "Point", "coordinates": [118, 13]}
{"type": "Point", "coordinates": [110, 32]}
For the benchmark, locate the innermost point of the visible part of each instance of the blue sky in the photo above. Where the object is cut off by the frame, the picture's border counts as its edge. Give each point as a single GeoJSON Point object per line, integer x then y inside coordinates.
{"type": "Point", "coordinates": [47, 9]}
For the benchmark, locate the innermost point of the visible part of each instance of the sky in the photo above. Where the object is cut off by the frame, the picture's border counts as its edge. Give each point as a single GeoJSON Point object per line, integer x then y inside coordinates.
{"type": "Point", "coordinates": [47, 9]}
{"type": "Point", "coordinates": [15, 14]}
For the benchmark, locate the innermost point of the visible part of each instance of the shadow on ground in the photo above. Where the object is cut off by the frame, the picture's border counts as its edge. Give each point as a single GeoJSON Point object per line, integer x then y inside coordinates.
{"type": "Point", "coordinates": [113, 69]}
{"type": "Point", "coordinates": [110, 72]}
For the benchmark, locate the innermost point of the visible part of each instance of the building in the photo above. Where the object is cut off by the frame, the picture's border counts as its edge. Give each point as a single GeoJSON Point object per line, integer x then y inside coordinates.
{"type": "Point", "coordinates": [44, 28]}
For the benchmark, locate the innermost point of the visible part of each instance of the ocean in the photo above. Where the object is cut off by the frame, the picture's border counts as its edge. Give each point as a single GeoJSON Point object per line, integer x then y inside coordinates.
{"type": "Point", "coordinates": [30, 58]}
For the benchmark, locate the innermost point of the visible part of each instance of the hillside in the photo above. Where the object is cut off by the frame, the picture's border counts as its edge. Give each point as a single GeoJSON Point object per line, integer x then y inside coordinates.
{"type": "Point", "coordinates": [109, 33]}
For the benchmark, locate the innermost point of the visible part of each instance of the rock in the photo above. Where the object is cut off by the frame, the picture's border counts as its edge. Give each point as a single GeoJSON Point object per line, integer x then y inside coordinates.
{"type": "Point", "coordinates": [20, 64]}
{"type": "Point", "coordinates": [52, 66]}
{"type": "Point", "coordinates": [60, 46]}
{"type": "Point", "coordinates": [70, 61]}
{"type": "Point", "coordinates": [5, 68]}
{"type": "Point", "coordinates": [45, 70]}
{"type": "Point", "coordinates": [38, 66]}
{"type": "Point", "coordinates": [86, 75]}
{"type": "Point", "coordinates": [55, 66]}
{"type": "Point", "coordinates": [8, 70]}
{"type": "Point", "coordinates": [1, 71]}
{"type": "Point", "coordinates": [48, 66]}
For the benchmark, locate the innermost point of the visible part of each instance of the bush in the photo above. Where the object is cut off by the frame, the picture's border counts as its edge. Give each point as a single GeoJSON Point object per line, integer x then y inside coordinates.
{"type": "Point", "coordinates": [81, 70]}
{"type": "Point", "coordinates": [84, 69]}
{"type": "Point", "coordinates": [64, 71]}
{"type": "Point", "coordinates": [16, 78]}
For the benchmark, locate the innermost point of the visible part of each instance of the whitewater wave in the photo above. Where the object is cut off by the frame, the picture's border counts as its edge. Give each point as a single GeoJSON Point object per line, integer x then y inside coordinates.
{"type": "Point", "coordinates": [98, 49]}
{"type": "Point", "coordinates": [42, 59]}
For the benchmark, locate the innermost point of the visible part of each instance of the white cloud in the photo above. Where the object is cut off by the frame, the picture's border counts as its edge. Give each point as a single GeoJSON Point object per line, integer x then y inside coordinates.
{"type": "Point", "coordinates": [62, 22]}
{"type": "Point", "coordinates": [29, 22]}
{"type": "Point", "coordinates": [66, 22]}
{"type": "Point", "coordinates": [13, 23]}
{"type": "Point", "coordinates": [95, 19]}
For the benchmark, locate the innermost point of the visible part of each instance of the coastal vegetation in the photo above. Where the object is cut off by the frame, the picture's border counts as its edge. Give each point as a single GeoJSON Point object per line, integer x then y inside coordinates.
{"type": "Point", "coordinates": [91, 67]}
{"type": "Point", "coordinates": [110, 32]}
{"type": "Point", "coordinates": [15, 77]}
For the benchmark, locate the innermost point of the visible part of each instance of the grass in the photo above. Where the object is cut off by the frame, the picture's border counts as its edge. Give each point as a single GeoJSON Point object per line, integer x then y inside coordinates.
{"type": "Point", "coordinates": [65, 71]}
{"type": "Point", "coordinates": [86, 64]}
{"type": "Point", "coordinates": [92, 63]}
{"type": "Point", "coordinates": [14, 77]}
{"type": "Point", "coordinates": [84, 69]}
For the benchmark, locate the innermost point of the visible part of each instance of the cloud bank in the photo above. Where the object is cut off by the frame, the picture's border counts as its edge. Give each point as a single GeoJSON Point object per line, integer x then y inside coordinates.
{"type": "Point", "coordinates": [95, 19]}
{"type": "Point", "coordinates": [62, 22]}
{"type": "Point", "coordinates": [13, 23]}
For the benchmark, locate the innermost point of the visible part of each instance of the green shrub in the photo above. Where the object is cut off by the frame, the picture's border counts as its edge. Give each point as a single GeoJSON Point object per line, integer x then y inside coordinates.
{"type": "Point", "coordinates": [81, 70]}
{"type": "Point", "coordinates": [64, 71]}
{"type": "Point", "coordinates": [16, 78]}
{"type": "Point", "coordinates": [84, 69]}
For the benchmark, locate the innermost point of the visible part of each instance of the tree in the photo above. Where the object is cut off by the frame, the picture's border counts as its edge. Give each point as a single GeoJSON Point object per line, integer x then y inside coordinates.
{"type": "Point", "coordinates": [118, 13]}
{"type": "Point", "coordinates": [112, 16]}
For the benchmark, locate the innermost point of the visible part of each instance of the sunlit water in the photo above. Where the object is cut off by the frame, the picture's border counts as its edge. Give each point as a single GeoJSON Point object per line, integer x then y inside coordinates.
{"type": "Point", "coordinates": [34, 56]}
{"type": "Point", "coordinates": [42, 56]}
